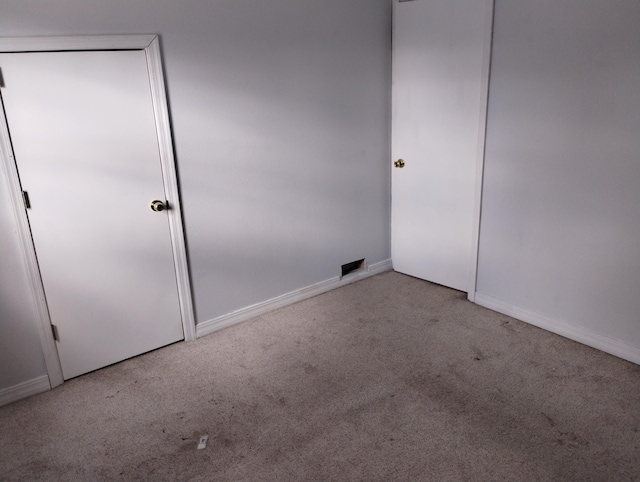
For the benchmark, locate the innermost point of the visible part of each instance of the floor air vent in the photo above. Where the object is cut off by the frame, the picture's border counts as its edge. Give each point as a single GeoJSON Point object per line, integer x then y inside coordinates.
{"type": "Point", "coordinates": [351, 267]}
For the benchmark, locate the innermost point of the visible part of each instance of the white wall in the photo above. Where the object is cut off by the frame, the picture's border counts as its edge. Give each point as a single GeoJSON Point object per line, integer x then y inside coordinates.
{"type": "Point", "coordinates": [21, 356]}
{"type": "Point", "coordinates": [280, 113]}
{"type": "Point", "coordinates": [560, 231]}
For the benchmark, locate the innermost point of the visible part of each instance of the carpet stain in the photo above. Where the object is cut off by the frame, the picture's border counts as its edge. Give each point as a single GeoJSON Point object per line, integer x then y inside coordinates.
{"type": "Point", "coordinates": [549, 419]}
{"type": "Point", "coordinates": [479, 354]}
{"type": "Point", "coordinates": [508, 326]}
{"type": "Point", "coordinates": [310, 369]}
{"type": "Point", "coordinates": [571, 439]}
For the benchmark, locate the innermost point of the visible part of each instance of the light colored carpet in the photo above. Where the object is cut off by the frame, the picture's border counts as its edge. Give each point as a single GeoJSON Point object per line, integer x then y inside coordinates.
{"type": "Point", "coordinates": [390, 378]}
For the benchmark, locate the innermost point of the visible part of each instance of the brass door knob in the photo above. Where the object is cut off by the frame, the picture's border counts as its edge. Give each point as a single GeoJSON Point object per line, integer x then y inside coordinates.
{"type": "Point", "coordinates": [157, 206]}
{"type": "Point", "coordinates": [399, 163]}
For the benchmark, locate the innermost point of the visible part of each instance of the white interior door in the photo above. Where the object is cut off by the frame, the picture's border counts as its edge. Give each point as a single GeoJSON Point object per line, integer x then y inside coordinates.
{"type": "Point", "coordinates": [84, 138]}
{"type": "Point", "coordinates": [440, 70]}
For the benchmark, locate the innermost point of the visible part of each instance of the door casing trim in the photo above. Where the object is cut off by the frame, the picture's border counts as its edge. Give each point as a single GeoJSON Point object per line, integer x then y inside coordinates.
{"type": "Point", "coordinates": [150, 44]}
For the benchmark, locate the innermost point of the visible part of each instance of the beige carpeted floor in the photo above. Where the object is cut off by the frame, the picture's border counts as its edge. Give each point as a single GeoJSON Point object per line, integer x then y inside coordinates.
{"type": "Point", "coordinates": [390, 378]}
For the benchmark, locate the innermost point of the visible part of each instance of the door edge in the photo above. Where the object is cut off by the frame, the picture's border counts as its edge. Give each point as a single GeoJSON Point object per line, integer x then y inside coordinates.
{"type": "Point", "coordinates": [480, 153]}
{"type": "Point", "coordinates": [170, 178]}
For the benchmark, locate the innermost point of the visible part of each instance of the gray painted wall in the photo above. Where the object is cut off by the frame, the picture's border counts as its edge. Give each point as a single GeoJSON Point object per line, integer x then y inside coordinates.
{"type": "Point", "coordinates": [560, 232]}
{"type": "Point", "coordinates": [280, 112]}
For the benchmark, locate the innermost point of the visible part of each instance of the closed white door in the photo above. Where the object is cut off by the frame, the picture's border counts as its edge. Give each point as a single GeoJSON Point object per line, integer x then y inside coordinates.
{"type": "Point", "coordinates": [85, 143]}
{"type": "Point", "coordinates": [439, 98]}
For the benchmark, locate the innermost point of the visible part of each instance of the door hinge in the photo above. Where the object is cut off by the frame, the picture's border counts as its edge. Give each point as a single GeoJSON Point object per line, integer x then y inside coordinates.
{"type": "Point", "coordinates": [54, 331]}
{"type": "Point", "coordinates": [27, 202]}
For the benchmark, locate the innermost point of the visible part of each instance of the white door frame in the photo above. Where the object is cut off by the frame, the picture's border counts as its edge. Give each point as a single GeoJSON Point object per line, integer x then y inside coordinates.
{"type": "Point", "coordinates": [151, 47]}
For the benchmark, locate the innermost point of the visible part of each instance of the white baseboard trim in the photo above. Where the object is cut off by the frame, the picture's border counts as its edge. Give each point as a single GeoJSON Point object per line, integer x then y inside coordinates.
{"type": "Point", "coordinates": [573, 332]}
{"type": "Point", "coordinates": [289, 298]}
{"type": "Point", "coordinates": [24, 390]}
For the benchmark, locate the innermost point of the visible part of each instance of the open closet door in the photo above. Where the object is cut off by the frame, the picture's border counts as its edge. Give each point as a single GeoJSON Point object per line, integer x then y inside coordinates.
{"type": "Point", "coordinates": [440, 81]}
